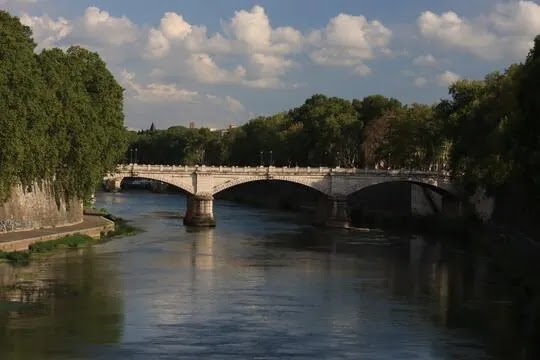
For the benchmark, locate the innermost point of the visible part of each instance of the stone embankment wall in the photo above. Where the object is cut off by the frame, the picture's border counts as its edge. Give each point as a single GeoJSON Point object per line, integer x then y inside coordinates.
{"type": "Point", "coordinates": [35, 208]}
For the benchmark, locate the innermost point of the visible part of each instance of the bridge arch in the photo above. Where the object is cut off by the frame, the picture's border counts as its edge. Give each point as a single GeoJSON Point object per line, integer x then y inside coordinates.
{"type": "Point", "coordinates": [319, 185]}
{"type": "Point", "coordinates": [180, 183]}
{"type": "Point", "coordinates": [432, 184]}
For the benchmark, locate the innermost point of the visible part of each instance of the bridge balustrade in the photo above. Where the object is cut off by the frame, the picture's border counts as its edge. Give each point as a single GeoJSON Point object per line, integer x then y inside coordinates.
{"type": "Point", "coordinates": [282, 170]}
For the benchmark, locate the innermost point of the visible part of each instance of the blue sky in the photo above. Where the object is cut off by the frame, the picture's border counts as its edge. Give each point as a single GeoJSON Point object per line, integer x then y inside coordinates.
{"type": "Point", "coordinates": [220, 62]}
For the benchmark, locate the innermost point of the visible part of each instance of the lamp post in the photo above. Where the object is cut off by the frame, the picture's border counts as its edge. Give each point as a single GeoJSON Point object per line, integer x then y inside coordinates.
{"type": "Point", "coordinates": [131, 155]}
{"type": "Point", "coordinates": [136, 155]}
{"type": "Point", "coordinates": [338, 160]}
{"type": "Point", "coordinates": [262, 162]}
{"type": "Point", "coordinates": [271, 159]}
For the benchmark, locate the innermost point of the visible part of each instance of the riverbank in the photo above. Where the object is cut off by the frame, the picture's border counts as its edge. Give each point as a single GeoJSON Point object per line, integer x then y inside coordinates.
{"type": "Point", "coordinates": [92, 226]}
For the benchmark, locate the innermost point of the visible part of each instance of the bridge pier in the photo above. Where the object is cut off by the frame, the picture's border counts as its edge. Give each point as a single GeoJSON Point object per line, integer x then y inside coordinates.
{"type": "Point", "coordinates": [200, 211]}
{"type": "Point", "coordinates": [337, 212]}
{"type": "Point", "coordinates": [112, 185]}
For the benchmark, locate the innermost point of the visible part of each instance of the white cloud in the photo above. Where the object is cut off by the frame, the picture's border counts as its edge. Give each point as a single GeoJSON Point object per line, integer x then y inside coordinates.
{"type": "Point", "coordinates": [232, 104]}
{"type": "Point", "coordinates": [260, 51]}
{"type": "Point", "coordinates": [103, 28]}
{"type": "Point", "coordinates": [349, 41]}
{"type": "Point", "coordinates": [96, 29]}
{"type": "Point", "coordinates": [46, 31]}
{"type": "Point", "coordinates": [167, 104]}
{"type": "Point", "coordinates": [507, 31]}
{"type": "Point", "coordinates": [268, 66]}
{"type": "Point", "coordinates": [156, 92]}
{"type": "Point", "coordinates": [447, 78]}
{"type": "Point", "coordinates": [158, 45]}
{"type": "Point", "coordinates": [425, 60]}
{"type": "Point", "coordinates": [174, 26]}
{"type": "Point", "coordinates": [420, 81]}
{"type": "Point", "coordinates": [252, 28]}
{"type": "Point", "coordinates": [207, 71]}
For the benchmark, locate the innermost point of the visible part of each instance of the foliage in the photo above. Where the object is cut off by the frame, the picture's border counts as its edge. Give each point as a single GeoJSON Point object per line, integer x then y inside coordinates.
{"type": "Point", "coordinates": [72, 241]}
{"type": "Point", "coordinates": [121, 227]}
{"type": "Point", "coordinates": [62, 115]}
{"type": "Point", "coordinates": [16, 257]}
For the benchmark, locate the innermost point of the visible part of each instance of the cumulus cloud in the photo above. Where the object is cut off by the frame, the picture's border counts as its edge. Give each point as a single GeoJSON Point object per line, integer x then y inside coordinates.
{"type": "Point", "coordinates": [174, 26]}
{"type": "Point", "coordinates": [447, 78]}
{"type": "Point", "coordinates": [100, 26]}
{"type": "Point", "coordinates": [207, 71]}
{"type": "Point", "coordinates": [507, 31]}
{"type": "Point", "coordinates": [156, 92]}
{"type": "Point", "coordinates": [46, 31]}
{"type": "Point", "coordinates": [349, 41]}
{"type": "Point", "coordinates": [96, 29]}
{"type": "Point", "coordinates": [167, 104]}
{"type": "Point", "coordinates": [158, 45]}
{"type": "Point", "coordinates": [249, 38]}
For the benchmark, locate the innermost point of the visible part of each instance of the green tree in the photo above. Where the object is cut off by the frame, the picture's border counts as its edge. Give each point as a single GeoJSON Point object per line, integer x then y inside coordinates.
{"type": "Point", "coordinates": [68, 132]}
{"type": "Point", "coordinates": [22, 118]}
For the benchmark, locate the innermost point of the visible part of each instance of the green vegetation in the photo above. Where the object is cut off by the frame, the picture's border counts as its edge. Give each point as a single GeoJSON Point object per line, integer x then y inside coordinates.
{"type": "Point", "coordinates": [16, 257]}
{"type": "Point", "coordinates": [62, 115]}
{"type": "Point", "coordinates": [71, 242]}
{"type": "Point", "coordinates": [68, 242]}
{"type": "Point", "coordinates": [121, 227]}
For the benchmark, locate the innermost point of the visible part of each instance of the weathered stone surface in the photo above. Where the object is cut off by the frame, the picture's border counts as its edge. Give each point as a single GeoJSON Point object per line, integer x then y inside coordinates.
{"type": "Point", "coordinates": [35, 207]}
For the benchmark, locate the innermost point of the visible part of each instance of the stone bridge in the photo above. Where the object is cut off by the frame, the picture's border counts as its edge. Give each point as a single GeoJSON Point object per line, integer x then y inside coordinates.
{"type": "Point", "coordinates": [201, 183]}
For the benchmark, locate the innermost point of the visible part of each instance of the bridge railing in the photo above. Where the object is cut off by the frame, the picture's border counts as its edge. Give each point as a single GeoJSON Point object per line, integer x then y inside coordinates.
{"type": "Point", "coordinates": [141, 169]}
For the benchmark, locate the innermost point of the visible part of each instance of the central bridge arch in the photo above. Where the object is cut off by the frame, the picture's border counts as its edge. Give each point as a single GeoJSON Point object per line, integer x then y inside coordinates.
{"type": "Point", "coordinates": [320, 185]}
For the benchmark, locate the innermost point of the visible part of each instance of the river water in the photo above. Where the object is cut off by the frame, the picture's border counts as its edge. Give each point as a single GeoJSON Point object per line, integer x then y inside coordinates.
{"type": "Point", "coordinates": [262, 285]}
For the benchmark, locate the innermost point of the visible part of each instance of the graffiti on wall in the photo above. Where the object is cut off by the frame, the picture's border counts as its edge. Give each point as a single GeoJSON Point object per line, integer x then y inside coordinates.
{"type": "Point", "coordinates": [8, 225]}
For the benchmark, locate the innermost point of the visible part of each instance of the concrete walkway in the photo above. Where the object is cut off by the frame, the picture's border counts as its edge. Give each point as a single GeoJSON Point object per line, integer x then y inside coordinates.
{"type": "Point", "coordinates": [92, 226]}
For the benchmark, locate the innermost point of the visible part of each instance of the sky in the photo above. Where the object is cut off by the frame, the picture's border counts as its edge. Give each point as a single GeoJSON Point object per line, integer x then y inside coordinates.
{"type": "Point", "coordinates": [221, 62]}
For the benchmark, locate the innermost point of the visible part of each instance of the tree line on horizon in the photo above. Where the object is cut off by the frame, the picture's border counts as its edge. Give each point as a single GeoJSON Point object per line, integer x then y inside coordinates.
{"type": "Point", "coordinates": [487, 134]}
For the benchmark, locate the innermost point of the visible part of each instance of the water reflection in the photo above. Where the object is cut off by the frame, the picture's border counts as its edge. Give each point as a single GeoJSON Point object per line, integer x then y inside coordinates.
{"type": "Point", "coordinates": [258, 286]}
{"type": "Point", "coordinates": [51, 308]}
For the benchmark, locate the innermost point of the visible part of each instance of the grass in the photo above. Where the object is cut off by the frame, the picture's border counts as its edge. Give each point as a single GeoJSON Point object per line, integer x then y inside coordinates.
{"type": "Point", "coordinates": [76, 241]}
{"type": "Point", "coordinates": [68, 242]}
{"type": "Point", "coordinates": [121, 227]}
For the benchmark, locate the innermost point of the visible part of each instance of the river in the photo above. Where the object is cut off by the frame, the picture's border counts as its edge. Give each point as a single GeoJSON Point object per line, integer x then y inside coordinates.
{"type": "Point", "coordinates": [262, 285]}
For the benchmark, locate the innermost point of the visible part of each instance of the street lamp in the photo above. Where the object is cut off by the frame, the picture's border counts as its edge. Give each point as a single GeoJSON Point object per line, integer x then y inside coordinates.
{"type": "Point", "coordinates": [131, 156]}
{"type": "Point", "coordinates": [338, 160]}
{"type": "Point", "coordinates": [136, 155]}
{"type": "Point", "coordinates": [271, 160]}
{"type": "Point", "coordinates": [262, 162]}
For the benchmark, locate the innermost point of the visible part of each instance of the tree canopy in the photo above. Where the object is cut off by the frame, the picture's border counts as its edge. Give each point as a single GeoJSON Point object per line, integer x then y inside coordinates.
{"type": "Point", "coordinates": [61, 116]}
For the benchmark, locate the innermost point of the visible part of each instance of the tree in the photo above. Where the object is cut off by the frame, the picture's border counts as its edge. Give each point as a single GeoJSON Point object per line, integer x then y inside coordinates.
{"type": "Point", "coordinates": [69, 132]}
{"type": "Point", "coordinates": [323, 121]}
{"type": "Point", "coordinates": [526, 129]}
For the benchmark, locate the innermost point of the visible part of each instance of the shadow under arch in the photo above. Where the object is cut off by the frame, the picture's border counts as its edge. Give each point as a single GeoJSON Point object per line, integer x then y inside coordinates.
{"type": "Point", "coordinates": [274, 193]}
{"type": "Point", "coordinates": [320, 186]}
{"type": "Point", "coordinates": [153, 185]}
{"type": "Point", "coordinates": [400, 200]}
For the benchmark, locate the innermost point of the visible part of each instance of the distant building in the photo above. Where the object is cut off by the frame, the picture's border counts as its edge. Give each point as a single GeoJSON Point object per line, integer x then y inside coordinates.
{"type": "Point", "coordinates": [222, 132]}
{"type": "Point", "coordinates": [192, 125]}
